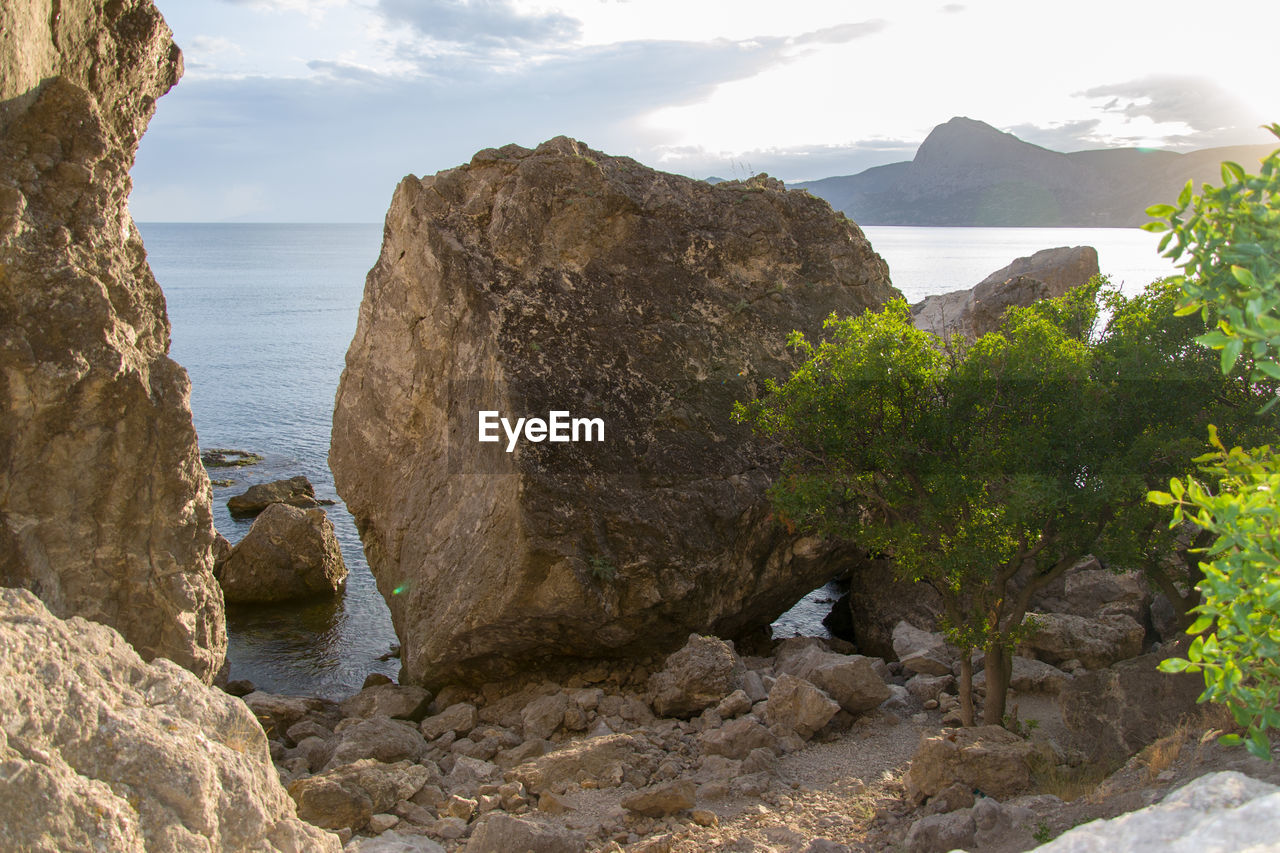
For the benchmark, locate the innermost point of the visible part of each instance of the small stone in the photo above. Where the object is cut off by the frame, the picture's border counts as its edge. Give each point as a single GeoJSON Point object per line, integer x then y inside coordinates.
{"type": "Point", "coordinates": [552, 803]}
{"type": "Point", "coordinates": [459, 807]}
{"type": "Point", "coordinates": [704, 817]}
{"type": "Point", "coordinates": [930, 704]}
{"type": "Point", "coordinates": [662, 800]}
{"type": "Point", "coordinates": [448, 828]}
{"type": "Point", "coordinates": [380, 823]}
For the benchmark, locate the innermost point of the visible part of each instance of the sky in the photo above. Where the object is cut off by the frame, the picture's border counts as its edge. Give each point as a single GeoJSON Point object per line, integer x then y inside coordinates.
{"type": "Point", "coordinates": [313, 110]}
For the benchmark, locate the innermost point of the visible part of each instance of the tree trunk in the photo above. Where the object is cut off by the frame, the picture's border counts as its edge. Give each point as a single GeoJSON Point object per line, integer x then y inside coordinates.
{"type": "Point", "coordinates": [999, 664]}
{"type": "Point", "coordinates": [966, 688]}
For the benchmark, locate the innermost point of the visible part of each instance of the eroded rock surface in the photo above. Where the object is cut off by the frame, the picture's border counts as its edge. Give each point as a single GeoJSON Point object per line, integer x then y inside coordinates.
{"type": "Point", "coordinates": [289, 553]}
{"type": "Point", "coordinates": [974, 312]}
{"type": "Point", "coordinates": [101, 751]}
{"type": "Point", "coordinates": [104, 506]}
{"type": "Point", "coordinates": [565, 279]}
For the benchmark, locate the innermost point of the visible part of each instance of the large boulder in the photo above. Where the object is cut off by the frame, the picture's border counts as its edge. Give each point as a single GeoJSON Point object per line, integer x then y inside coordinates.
{"type": "Point", "coordinates": [879, 600]}
{"type": "Point", "coordinates": [975, 312]}
{"type": "Point", "coordinates": [102, 751]}
{"type": "Point", "coordinates": [989, 758]}
{"type": "Point", "coordinates": [295, 491]}
{"type": "Point", "coordinates": [288, 553]}
{"type": "Point", "coordinates": [1218, 811]}
{"type": "Point", "coordinates": [1096, 642]}
{"type": "Point", "coordinates": [696, 677]}
{"type": "Point", "coordinates": [1118, 710]}
{"type": "Point", "coordinates": [600, 761]}
{"type": "Point", "coordinates": [105, 509]}
{"type": "Point", "coordinates": [564, 280]}
{"type": "Point", "coordinates": [850, 680]}
{"type": "Point", "coordinates": [348, 796]}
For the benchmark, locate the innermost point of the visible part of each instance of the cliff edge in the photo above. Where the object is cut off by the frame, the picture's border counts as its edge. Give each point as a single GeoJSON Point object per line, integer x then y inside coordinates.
{"type": "Point", "coordinates": [104, 505]}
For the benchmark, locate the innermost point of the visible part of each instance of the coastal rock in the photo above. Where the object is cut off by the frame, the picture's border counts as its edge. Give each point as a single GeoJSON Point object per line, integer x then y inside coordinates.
{"type": "Point", "coordinates": [405, 702]}
{"type": "Point", "coordinates": [500, 833]}
{"type": "Point", "coordinates": [347, 797]}
{"type": "Point", "coordinates": [288, 553]}
{"type": "Point", "coordinates": [1119, 710]}
{"type": "Point", "coordinates": [100, 750]}
{"type": "Point", "coordinates": [989, 758]}
{"type": "Point", "coordinates": [922, 651]}
{"type": "Point", "coordinates": [295, 491]}
{"type": "Point", "coordinates": [1028, 675]}
{"type": "Point", "coordinates": [380, 738]}
{"type": "Point", "coordinates": [797, 706]}
{"type": "Point", "coordinates": [563, 279]}
{"type": "Point", "coordinates": [975, 312]}
{"type": "Point", "coordinates": [1096, 642]}
{"type": "Point", "coordinates": [602, 760]}
{"type": "Point", "coordinates": [105, 508]}
{"type": "Point", "coordinates": [1218, 811]}
{"type": "Point", "coordinates": [848, 679]}
{"type": "Point", "coordinates": [879, 600]}
{"type": "Point", "coordinates": [696, 677]}
{"type": "Point", "coordinates": [662, 800]}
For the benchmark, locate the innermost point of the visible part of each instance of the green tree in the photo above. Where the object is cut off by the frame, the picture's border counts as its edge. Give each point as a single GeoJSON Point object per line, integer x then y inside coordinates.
{"type": "Point", "coordinates": [986, 469]}
{"type": "Point", "coordinates": [1230, 237]}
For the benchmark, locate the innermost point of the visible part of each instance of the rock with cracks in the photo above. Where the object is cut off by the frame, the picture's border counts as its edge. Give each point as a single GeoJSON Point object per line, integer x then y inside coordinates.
{"type": "Point", "coordinates": [104, 506]}
{"type": "Point", "coordinates": [288, 553]}
{"type": "Point", "coordinates": [564, 280]}
{"type": "Point", "coordinates": [102, 751]}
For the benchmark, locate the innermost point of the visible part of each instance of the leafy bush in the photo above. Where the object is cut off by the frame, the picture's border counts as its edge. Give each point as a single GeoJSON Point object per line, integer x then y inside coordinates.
{"type": "Point", "coordinates": [1230, 236]}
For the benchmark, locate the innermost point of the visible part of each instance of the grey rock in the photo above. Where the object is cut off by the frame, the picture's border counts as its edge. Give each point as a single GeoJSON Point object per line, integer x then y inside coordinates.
{"type": "Point", "coordinates": [101, 750]}
{"type": "Point", "coordinates": [696, 677]}
{"type": "Point", "coordinates": [296, 491]}
{"type": "Point", "coordinates": [459, 718]}
{"type": "Point", "coordinates": [402, 702]}
{"type": "Point", "coordinates": [797, 706]}
{"type": "Point", "coordinates": [1096, 642]}
{"type": "Point", "coordinates": [288, 553]}
{"type": "Point", "coordinates": [940, 833]}
{"type": "Point", "coordinates": [1224, 811]}
{"type": "Point", "coordinates": [653, 301]}
{"type": "Point", "coordinates": [105, 508]}
{"type": "Point", "coordinates": [922, 651]}
{"type": "Point", "coordinates": [500, 833]}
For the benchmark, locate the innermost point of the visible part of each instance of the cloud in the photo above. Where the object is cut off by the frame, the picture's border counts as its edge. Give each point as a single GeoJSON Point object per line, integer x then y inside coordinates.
{"type": "Point", "coordinates": [480, 22]}
{"type": "Point", "coordinates": [953, 8]}
{"type": "Point", "coordinates": [792, 164]}
{"type": "Point", "coordinates": [842, 33]}
{"type": "Point", "coordinates": [1197, 102]}
{"type": "Point", "coordinates": [1075, 135]}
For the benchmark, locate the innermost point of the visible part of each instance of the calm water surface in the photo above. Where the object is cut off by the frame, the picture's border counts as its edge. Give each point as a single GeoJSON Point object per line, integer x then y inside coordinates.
{"type": "Point", "coordinates": [262, 316]}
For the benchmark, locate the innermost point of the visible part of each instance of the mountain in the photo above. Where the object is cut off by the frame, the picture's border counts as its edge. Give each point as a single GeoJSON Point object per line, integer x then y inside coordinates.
{"type": "Point", "coordinates": [968, 173]}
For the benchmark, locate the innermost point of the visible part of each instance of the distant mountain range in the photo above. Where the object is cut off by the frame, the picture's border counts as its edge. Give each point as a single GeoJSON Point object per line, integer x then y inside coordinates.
{"type": "Point", "coordinates": [968, 173]}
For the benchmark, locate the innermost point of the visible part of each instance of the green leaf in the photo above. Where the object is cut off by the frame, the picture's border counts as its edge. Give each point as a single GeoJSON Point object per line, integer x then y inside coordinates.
{"type": "Point", "coordinates": [1230, 353]}
{"type": "Point", "coordinates": [1184, 197]}
{"type": "Point", "coordinates": [1244, 276]}
{"type": "Point", "coordinates": [1160, 211]}
{"type": "Point", "coordinates": [1160, 498]}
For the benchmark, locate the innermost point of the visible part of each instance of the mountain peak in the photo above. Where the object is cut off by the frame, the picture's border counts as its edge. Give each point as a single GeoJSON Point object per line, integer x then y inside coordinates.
{"type": "Point", "coordinates": [966, 140]}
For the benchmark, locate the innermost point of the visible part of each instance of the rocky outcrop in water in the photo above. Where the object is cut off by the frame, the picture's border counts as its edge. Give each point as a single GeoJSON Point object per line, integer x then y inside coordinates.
{"type": "Point", "coordinates": [562, 279]}
{"type": "Point", "coordinates": [104, 506]}
{"type": "Point", "coordinates": [972, 313]}
{"type": "Point", "coordinates": [289, 553]}
{"type": "Point", "coordinates": [101, 751]}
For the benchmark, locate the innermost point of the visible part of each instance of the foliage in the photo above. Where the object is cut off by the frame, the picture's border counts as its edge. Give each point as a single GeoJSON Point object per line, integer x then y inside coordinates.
{"type": "Point", "coordinates": [602, 568]}
{"type": "Point", "coordinates": [1232, 266]}
{"type": "Point", "coordinates": [1231, 237]}
{"type": "Point", "coordinates": [987, 469]}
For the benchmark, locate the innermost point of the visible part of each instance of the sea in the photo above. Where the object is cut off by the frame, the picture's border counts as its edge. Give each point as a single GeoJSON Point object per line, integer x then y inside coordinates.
{"type": "Point", "coordinates": [262, 315]}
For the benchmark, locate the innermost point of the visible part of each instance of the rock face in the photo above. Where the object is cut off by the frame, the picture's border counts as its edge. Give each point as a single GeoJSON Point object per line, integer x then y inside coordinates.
{"type": "Point", "coordinates": [1218, 811]}
{"type": "Point", "coordinates": [104, 506]}
{"type": "Point", "coordinates": [288, 553]}
{"type": "Point", "coordinates": [100, 750]}
{"type": "Point", "coordinates": [1119, 710]}
{"type": "Point", "coordinates": [562, 279]}
{"type": "Point", "coordinates": [973, 313]}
